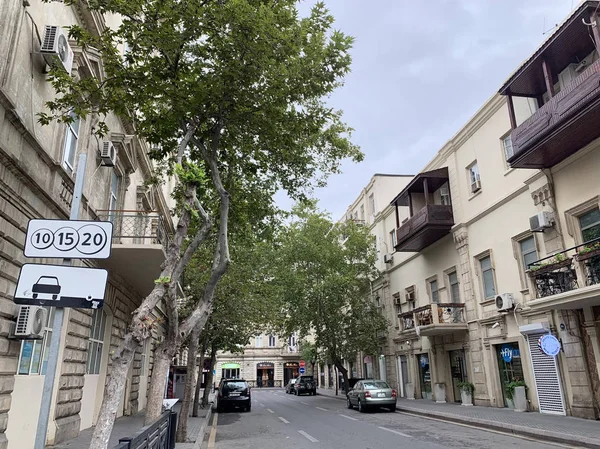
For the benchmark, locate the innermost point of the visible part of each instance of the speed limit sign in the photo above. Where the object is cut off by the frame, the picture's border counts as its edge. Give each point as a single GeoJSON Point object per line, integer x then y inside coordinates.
{"type": "Point", "coordinates": [68, 239]}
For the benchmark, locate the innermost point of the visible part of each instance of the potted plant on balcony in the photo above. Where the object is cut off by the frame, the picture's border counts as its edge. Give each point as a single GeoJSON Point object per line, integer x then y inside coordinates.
{"type": "Point", "coordinates": [588, 251]}
{"type": "Point", "coordinates": [466, 392]}
{"type": "Point", "coordinates": [552, 264]}
{"type": "Point", "coordinates": [516, 392]}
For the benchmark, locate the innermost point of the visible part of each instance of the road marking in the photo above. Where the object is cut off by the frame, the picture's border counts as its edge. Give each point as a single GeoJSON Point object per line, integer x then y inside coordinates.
{"type": "Point", "coordinates": [396, 432]}
{"type": "Point", "coordinates": [270, 411]}
{"type": "Point", "coordinates": [305, 403]}
{"type": "Point", "coordinates": [284, 420]}
{"type": "Point", "coordinates": [307, 436]}
{"type": "Point", "coordinates": [321, 408]}
{"type": "Point", "coordinates": [349, 417]}
{"type": "Point", "coordinates": [213, 432]}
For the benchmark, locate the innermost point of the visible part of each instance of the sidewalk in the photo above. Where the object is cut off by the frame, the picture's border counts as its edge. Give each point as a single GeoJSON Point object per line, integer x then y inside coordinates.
{"type": "Point", "coordinates": [558, 429]}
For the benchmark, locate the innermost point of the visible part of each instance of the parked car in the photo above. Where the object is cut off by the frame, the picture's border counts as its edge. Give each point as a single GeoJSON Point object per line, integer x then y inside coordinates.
{"type": "Point", "coordinates": [234, 393]}
{"type": "Point", "coordinates": [369, 393]}
{"type": "Point", "coordinates": [353, 381]}
{"type": "Point", "coordinates": [305, 384]}
{"type": "Point", "coordinates": [289, 388]}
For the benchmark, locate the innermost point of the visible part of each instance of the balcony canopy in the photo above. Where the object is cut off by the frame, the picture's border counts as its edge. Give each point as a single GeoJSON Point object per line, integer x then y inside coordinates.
{"type": "Point", "coordinates": [435, 179]}
{"type": "Point", "coordinates": [570, 43]}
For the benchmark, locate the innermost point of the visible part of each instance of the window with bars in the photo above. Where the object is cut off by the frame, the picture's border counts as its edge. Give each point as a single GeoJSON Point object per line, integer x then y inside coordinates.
{"type": "Point", "coordinates": [71, 137]}
{"type": "Point", "coordinates": [33, 357]}
{"type": "Point", "coordinates": [454, 287]}
{"type": "Point", "coordinates": [96, 342]}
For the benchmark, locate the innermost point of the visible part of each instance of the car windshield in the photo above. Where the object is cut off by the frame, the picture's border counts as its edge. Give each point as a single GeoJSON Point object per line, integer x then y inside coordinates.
{"type": "Point", "coordinates": [235, 386]}
{"type": "Point", "coordinates": [375, 385]}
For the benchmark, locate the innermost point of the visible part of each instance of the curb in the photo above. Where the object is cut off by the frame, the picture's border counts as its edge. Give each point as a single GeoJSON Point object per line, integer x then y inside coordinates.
{"type": "Point", "coordinates": [538, 434]}
{"type": "Point", "coordinates": [200, 436]}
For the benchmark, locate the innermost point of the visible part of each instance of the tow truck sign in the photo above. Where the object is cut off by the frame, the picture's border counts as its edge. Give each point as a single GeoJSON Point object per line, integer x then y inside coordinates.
{"type": "Point", "coordinates": [61, 286]}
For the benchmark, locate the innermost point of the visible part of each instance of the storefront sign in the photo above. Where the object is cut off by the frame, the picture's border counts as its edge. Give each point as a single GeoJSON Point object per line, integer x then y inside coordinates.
{"type": "Point", "coordinates": [508, 352]}
{"type": "Point", "coordinates": [550, 345]}
{"type": "Point", "coordinates": [264, 365]}
{"type": "Point", "coordinates": [290, 365]}
{"type": "Point", "coordinates": [424, 360]}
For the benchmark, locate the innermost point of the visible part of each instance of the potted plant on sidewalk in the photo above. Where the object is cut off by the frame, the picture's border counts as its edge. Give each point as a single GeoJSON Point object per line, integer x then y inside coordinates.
{"type": "Point", "coordinates": [466, 392]}
{"type": "Point", "coordinates": [516, 391]}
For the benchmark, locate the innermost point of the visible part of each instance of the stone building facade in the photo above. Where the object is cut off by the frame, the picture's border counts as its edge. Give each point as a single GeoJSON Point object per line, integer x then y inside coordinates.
{"type": "Point", "coordinates": [38, 165]}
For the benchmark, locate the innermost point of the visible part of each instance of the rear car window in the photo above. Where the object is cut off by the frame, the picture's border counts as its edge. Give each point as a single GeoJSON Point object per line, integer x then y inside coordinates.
{"type": "Point", "coordinates": [377, 385]}
{"type": "Point", "coordinates": [234, 386]}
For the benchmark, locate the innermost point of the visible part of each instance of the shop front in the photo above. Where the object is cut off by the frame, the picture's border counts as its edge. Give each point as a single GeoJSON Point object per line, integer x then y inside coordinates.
{"type": "Point", "coordinates": [425, 376]}
{"type": "Point", "coordinates": [265, 374]}
{"type": "Point", "coordinates": [458, 371]}
{"type": "Point", "coordinates": [230, 371]}
{"type": "Point", "coordinates": [290, 371]}
{"type": "Point", "coordinates": [510, 369]}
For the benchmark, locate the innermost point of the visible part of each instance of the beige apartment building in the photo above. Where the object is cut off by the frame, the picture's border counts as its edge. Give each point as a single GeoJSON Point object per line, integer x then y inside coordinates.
{"type": "Point", "coordinates": [37, 169]}
{"type": "Point", "coordinates": [493, 245]}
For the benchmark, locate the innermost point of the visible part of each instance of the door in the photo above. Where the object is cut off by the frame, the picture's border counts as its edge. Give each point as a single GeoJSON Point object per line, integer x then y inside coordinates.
{"type": "Point", "coordinates": [382, 369]}
{"type": "Point", "coordinates": [402, 375]}
{"type": "Point", "coordinates": [458, 368]}
{"type": "Point", "coordinates": [509, 367]}
{"type": "Point", "coordinates": [547, 378]}
{"type": "Point", "coordinates": [425, 376]}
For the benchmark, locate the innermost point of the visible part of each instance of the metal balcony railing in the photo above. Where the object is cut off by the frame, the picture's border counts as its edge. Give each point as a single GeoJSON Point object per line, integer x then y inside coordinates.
{"type": "Point", "coordinates": [136, 227]}
{"type": "Point", "coordinates": [446, 313]}
{"type": "Point", "coordinates": [560, 272]}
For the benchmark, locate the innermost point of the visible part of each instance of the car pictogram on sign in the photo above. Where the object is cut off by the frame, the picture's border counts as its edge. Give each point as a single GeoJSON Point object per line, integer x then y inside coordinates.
{"type": "Point", "coordinates": [46, 285]}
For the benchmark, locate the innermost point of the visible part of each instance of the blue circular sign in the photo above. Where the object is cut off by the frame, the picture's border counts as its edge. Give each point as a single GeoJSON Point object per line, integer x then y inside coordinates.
{"type": "Point", "coordinates": [506, 351]}
{"type": "Point", "coordinates": [550, 345]}
{"type": "Point", "coordinates": [302, 370]}
{"type": "Point", "coordinates": [424, 361]}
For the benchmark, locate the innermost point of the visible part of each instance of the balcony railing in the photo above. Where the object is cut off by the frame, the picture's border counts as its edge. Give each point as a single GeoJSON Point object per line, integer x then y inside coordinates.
{"type": "Point", "coordinates": [562, 126]}
{"type": "Point", "coordinates": [428, 225]}
{"type": "Point", "coordinates": [434, 315]}
{"type": "Point", "coordinates": [136, 227]}
{"type": "Point", "coordinates": [568, 270]}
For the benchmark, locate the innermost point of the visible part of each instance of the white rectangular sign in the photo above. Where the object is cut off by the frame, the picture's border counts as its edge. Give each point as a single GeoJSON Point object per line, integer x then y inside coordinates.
{"type": "Point", "coordinates": [69, 239]}
{"type": "Point", "coordinates": [61, 286]}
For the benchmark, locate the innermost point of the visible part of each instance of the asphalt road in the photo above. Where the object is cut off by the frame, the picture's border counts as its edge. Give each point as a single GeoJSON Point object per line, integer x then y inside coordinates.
{"type": "Point", "coordinates": [278, 420]}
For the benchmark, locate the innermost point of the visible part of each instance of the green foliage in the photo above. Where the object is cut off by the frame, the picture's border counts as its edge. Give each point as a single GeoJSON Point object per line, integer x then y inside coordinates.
{"type": "Point", "coordinates": [163, 280]}
{"type": "Point", "coordinates": [466, 386]}
{"type": "Point", "coordinates": [558, 258]}
{"type": "Point", "coordinates": [589, 248]}
{"type": "Point", "coordinates": [308, 352]}
{"type": "Point", "coordinates": [509, 387]}
{"type": "Point", "coordinates": [324, 274]}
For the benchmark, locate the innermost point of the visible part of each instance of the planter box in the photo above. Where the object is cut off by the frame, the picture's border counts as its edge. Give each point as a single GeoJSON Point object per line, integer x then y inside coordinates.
{"type": "Point", "coordinates": [466, 398]}
{"type": "Point", "coordinates": [550, 268]}
{"type": "Point", "coordinates": [586, 256]}
{"type": "Point", "coordinates": [520, 399]}
{"type": "Point", "coordinates": [410, 390]}
{"type": "Point", "coordinates": [439, 393]}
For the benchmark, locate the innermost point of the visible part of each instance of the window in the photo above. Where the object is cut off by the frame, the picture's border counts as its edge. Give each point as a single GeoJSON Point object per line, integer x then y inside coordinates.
{"type": "Point", "coordinates": [230, 373]}
{"type": "Point", "coordinates": [114, 195]}
{"type": "Point", "coordinates": [372, 204]}
{"type": "Point", "coordinates": [508, 147]}
{"type": "Point", "coordinates": [445, 195]}
{"type": "Point", "coordinates": [474, 177]}
{"type": "Point", "coordinates": [362, 212]}
{"type": "Point", "coordinates": [487, 275]}
{"type": "Point", "coordinates": [96, 342]}
{"type": "Point", "coordinates": [589, 224]}
{"type": "Point", "coordinates": [272, 341]}
{"type": "Point", "coordinates": [393, 238]}
{"type": "Point", "coordinates": [434, 291]}
{"type": "Point", "coordinates": [33, 358]}
{"type": "Point", "coordinates": [293, 343]}
{"type": "Point", "coordinates": [259, 343]}
{"type": "Point", "coordinates": [143, 358]}
{"type": "Point", "coordinates": [72, 134]}
{"type": "Point", "coordinates": [528, 251]}
{"type": "Point", "coordinates": [454, 287]}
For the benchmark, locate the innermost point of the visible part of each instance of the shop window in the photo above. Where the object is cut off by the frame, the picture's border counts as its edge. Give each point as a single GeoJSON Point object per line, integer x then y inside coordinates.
{"type": "Point", "coordinates": [96, 342]}
{"type": "Point", "coordinates": [33, 357]}
{"type": "Point", "coordinates": [230, 373]}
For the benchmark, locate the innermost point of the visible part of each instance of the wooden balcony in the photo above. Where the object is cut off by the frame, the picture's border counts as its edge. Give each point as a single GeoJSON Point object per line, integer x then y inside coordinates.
{"type": "Point", "coordinates": [562, 126]}
{"type": "Point", "coordinates": [435, 319]}
{"type": "Point", "coordinates": [427, 226]}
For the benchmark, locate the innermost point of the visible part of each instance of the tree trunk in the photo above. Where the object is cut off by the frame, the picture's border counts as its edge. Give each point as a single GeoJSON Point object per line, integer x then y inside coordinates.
{"type": "Point", "coordinates": [209, 378]}
{"type": "Point", "coordinates": [189, 386]}
{"type": "Point", "coordinates": [163, 355]}
{"type": "Point", "coordinates": [199, 382]}
{"type": "Point", "coordinates": [344, 372]}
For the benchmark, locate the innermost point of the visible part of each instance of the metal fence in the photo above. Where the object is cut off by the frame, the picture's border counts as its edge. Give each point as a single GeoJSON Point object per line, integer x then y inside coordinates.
{"type": "Point", "coordinates": [158, 435]}
{"type": "Point", "coordinates": [136, 227]}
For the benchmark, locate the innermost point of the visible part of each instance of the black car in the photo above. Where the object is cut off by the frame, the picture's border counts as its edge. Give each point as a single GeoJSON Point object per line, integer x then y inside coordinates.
{"type": "Point", "coordinates": [305, 384]}
{"type": "Point", "coordinates": [234, 393]}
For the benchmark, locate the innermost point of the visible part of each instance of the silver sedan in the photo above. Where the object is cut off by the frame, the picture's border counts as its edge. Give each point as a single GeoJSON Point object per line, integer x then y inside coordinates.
{"type": "Point", "coordinates": [370, 393]}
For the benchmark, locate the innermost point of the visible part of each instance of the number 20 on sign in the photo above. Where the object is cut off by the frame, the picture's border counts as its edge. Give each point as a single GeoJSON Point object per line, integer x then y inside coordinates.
{"type": "Point", "coordinates": [68, 239]}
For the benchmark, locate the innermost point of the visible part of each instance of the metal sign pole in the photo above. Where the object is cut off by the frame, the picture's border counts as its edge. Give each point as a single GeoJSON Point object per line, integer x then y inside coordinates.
{"type": "Point", "coordinates": [44, 416]}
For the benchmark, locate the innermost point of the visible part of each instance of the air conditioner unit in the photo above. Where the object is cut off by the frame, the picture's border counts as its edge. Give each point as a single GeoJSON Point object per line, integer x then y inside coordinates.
{"type": "Point", "coordinates": [108, 153]}
{"type": "Point", "coordinates": [31, 321]}
{"type": "Point", "coordinates": [541, 221]}
{"type": "Point", "coordinates": [505, 301]}
{"type": "Point", "coordinates": [55, 47]}
{"type": "Point", "coordinates": [475, 186]}
{"type": "Point", "coordinates": [410, 296]}
{"type": "Point", "coordinates": [388, 258]}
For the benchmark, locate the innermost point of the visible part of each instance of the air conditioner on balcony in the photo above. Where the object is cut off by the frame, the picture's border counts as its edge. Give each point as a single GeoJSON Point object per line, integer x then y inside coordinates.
{"type": "Point", "coordinates": [108, 154]}
{"type": "Point", "coordinates": [541, 221]}
{"type": "Point", "coordinates": [505, 301]}
{"type": "Point", "coordinates": [475, 186]}
{"type": "Point", "coordinates": [55, 48]}
{"type": "Point", "coordinates": [30, 323]}
{"type": "Point", "coordinates": [388, 258]}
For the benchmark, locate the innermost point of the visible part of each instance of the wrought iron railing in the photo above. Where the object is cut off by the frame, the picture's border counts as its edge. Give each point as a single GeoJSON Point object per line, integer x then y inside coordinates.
{"type": "Point", "coordinates": [158, 435]}
{"type": "Point", "coordinates": [136, 227]}
{"type": "Point", "coordinates": [564, 271]}
{"type": "Point", "coordinates": [407, 321]}
{"type": "Point", "coordinates": [448, 313]}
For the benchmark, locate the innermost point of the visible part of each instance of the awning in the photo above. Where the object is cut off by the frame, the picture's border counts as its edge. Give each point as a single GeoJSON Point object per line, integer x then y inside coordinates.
{"type": "Point", "coordinates": [230, 365]}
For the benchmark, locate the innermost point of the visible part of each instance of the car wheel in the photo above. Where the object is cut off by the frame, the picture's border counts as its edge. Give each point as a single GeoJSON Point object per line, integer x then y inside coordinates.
{"type": "Point", "coordinates": [361, 407]}
{"type": "Point", "coordinates": [349, 404]}
{"type": "Point", "coordinates": [314, 392]}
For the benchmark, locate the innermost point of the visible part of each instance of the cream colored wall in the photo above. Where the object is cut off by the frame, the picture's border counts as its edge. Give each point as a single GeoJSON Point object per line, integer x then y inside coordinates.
{"type": "Point", "coordinates": [23, 416]}
{"type": "Point", "coordinates": [90, 387]}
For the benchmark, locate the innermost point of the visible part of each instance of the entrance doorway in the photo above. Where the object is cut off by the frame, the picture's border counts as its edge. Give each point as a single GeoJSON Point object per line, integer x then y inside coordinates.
{"type": "Point", "coordinates": [458, 368]}
{"type": "Point", "coordinates": [265, 375]}
{"type": "Point", "coordinates": [290, 371]}
{"type": "Point", "coordinates": [403, 378]}
{"type": "Point", "coordinates": [425, 376]}
{"type": "Point", "coordinates": [509, 367]}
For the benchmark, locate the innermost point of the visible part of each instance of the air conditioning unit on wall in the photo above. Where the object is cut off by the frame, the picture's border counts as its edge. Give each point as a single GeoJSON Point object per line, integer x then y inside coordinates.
{"type": "Point", "coordinates": [31, 321]}
{"type": "Point", "coordinates": [55, 47]}
{"type": "Point", "coordinates": [505, 301]}
{"type": "Point", "coordinates": [108, 153]}
{"type": "Point", "coordinates": [388, 258]}
{"type": "Point", "coordinates": [541, 221]}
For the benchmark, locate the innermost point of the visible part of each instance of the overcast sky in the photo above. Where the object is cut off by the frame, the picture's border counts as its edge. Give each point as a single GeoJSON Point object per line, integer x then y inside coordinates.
{"type": "Point", "coordinates": [420, 70]}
